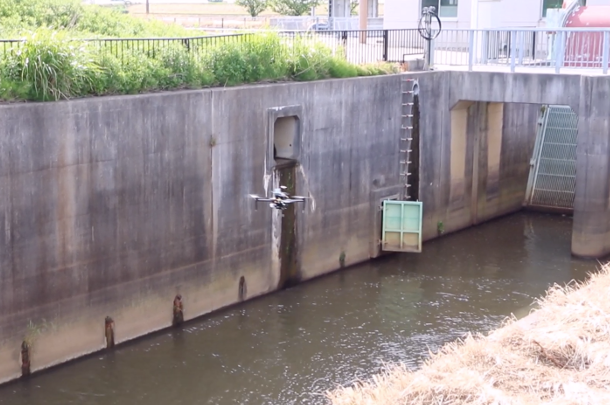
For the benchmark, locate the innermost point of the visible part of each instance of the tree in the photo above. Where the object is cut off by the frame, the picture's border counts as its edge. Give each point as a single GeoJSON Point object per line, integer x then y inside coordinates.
{"type": "Point", "coordinates": [353, 7]}
{"type": "Point", "coordinates": [254, 7]}
{"type": "Point", "coordinates": [293, 7]}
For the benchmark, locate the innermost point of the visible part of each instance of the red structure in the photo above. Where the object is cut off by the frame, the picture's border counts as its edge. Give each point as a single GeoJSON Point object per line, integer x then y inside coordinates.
{"type": "Point", "coordinates": [584, 49]}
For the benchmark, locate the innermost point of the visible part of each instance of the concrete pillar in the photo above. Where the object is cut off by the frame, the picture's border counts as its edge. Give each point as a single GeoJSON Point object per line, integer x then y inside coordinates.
{"type": "Point", "coordinates": [495, 127]}
{"type": "Point", "coordinates": [341, 8]}
{"type": "Point", "coordinates": [461, 152]}
{"type": "Point", "coordinates": [478, 125]}
{"type": "Point", "coordinates": [484, 14]}
{"type": "Point", "coordinates": [474, 14]}
{"type": "Point", "coordinates": [591, 225]}
{"type": "Point", "coordinates": [363, 19]}
{"type": "Point", "coordinates": [373, 8]}
{"type": "Point", "coordinates": [457, 159]}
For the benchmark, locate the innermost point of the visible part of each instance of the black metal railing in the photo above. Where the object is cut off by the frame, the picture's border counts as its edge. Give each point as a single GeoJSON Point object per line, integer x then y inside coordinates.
{"type": "Point", "coordinates": [357, 46]}
{"type": "Point", "coordinates": [8, 44]}
{"type": "Point", "coordinates": [368, 46]}
{"type": "Point", "coordinates": [119, 47]}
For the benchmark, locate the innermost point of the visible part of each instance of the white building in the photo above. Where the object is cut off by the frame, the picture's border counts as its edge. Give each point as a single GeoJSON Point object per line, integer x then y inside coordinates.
{"type": "Point", "coordinates": [463, 14]}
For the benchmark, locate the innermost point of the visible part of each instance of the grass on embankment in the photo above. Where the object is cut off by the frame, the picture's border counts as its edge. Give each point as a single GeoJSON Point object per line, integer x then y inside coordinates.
{"type": "Point", "coordinates": [51, 66]}
{"type": "Point", "coordinates": [558, 355]}
{"type": "Point", "coordinates": [53, 63]}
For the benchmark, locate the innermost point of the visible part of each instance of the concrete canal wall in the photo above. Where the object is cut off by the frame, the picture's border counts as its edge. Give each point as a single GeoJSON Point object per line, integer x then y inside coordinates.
{"type": "Point", "coordinates": [475, 155]}
{"type": "Point", "coordinates": [111, 207]}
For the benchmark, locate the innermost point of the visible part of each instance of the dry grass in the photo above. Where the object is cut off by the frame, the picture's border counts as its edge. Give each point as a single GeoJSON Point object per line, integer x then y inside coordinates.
{"type": "Point", "coordinates": [558, 355]}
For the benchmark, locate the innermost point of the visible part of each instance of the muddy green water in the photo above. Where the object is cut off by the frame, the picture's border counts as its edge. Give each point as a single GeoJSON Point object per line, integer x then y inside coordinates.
{"type": "Point", "coordinates": [289, 347]}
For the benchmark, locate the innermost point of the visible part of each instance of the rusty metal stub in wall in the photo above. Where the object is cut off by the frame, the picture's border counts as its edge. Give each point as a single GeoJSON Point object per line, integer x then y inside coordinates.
{"type": "Point", "coordinates": [242, 291]}
{"type": "Point", "coordinates": [25, 359]}
{"type": "Point", "coordinates": [178, 314]}
{"type": "Point", "coordinates": [109, 332]}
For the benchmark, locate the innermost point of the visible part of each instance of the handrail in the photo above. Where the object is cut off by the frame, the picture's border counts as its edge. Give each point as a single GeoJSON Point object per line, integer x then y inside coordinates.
{"type": "Point", "coordinates": [508, 47]}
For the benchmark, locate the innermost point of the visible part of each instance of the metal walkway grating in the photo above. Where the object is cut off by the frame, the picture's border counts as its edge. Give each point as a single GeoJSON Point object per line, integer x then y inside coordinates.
{"type": "Point", "coordinates": [552, 179]}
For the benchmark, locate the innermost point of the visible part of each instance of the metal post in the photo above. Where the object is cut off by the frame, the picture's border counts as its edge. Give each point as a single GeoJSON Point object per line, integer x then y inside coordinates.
{"type": "Point", "coordinates": [513, 40]}
{"type": "Point", "coordinates": [428, 53]}
{"type": "Point", "coordinates": [534, 48]}
{"type": "Point", "coordinates": [559, 53]}
{"type": "Point", "coordinates": [471, 49]}
{"type": "Point", "coordinates": [484, 47]}
{"type": "Point", "coordinates": [521, 46]}
{"type": "Point", "coordinates": [385, 45]}
{"type": "Point", "coordinates": [605, 51]}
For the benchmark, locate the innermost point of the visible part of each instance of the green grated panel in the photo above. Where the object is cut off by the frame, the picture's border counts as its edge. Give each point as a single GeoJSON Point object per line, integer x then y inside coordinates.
{"type": "Point", "coordinates": [402, 224]}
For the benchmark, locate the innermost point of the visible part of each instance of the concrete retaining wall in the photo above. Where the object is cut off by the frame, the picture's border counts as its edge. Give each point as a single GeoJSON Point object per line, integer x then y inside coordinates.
{"type": "Point", "coordinates": [112, 206]}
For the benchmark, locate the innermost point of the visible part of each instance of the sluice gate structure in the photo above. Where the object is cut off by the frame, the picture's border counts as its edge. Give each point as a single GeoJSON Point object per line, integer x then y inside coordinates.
{"type": "Point", "coordinates": [123, 214]}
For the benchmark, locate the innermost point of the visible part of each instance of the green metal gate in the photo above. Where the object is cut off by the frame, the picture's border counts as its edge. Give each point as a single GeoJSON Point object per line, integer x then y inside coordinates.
{"type": "Point", "coordinates": [552, 178]}
{"type": "Point", "coordinates": [402, 226]}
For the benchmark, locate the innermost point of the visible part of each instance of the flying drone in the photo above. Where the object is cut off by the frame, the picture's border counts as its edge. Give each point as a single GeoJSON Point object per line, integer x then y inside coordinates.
{"type": "Point", "coordinates": [280, 200]}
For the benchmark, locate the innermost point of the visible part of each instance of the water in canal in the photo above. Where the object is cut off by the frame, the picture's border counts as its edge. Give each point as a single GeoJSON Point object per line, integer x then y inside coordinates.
{"type": "Point", "coordinates": [289, 347]}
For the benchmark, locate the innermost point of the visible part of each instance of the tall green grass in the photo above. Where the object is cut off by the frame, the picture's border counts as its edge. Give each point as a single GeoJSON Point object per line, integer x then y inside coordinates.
{"type": "Point", "coordinates": [48, 66]}
{"type": "Point", "coordinates": [51, 65]}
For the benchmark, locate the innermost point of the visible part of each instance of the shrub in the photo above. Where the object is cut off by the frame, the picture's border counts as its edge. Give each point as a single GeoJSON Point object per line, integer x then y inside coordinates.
{"type": "Point", "coordinates": [134, 73]}
{"type": "Point", "coordinates": [256, 58]}
{"type": "Point", "coordinates": [52, 66]}
{"type": "Point", "coordinates": [266, 59]}
{"type": "Point", "coordinates": [185, 69]}
{"type": "Point", "coordinates": [308, 60]}
{"type": "Point", "coordinates": [339, 67]}
{"type": "Point", "coordinates": [362, 71]}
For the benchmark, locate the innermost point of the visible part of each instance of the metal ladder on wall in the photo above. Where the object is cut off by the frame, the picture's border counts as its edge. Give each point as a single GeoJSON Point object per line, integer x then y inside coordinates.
{"type": "Point", "coordinates": [406, 135]}
{"type": "Point", "coordinates": [401, 221]}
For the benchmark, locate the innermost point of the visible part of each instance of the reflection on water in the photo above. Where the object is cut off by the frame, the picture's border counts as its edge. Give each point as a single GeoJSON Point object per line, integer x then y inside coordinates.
{"type": "Point", "coordinates": [288, 348]}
